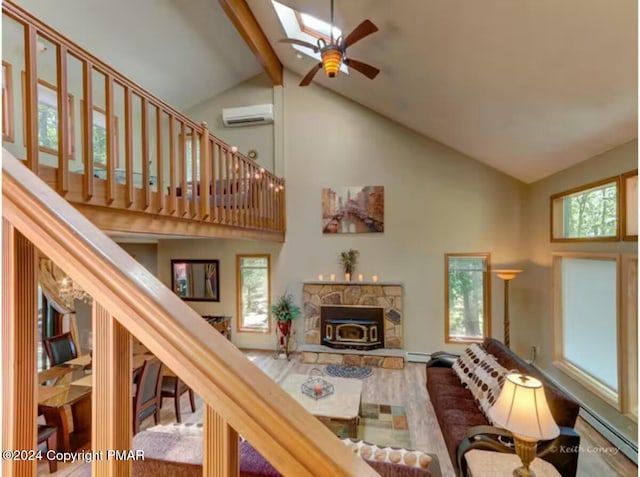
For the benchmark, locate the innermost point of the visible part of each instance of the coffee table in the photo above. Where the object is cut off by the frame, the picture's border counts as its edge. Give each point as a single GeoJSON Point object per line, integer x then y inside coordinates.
{"type": "Point", "coordinates": [342, 406]}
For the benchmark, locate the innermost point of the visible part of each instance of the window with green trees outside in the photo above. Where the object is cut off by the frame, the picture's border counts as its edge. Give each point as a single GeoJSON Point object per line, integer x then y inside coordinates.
{"type": "Point", "coordinates": [587, 213]}
{"type": "Point", "coordinates": [253, 293]}
{"type": "Point", "coordinates": [467, 317]}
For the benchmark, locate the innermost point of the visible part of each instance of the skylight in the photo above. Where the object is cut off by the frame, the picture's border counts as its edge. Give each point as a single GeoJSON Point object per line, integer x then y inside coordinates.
{"type": "Point", "coordinates": [316, 27]}
{"type": "Point", "coordinates": [305, 27]}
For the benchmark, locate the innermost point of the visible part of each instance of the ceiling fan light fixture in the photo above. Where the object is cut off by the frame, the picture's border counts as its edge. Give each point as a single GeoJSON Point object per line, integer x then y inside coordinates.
{"type": "Point", "coordinates": [331, 59]}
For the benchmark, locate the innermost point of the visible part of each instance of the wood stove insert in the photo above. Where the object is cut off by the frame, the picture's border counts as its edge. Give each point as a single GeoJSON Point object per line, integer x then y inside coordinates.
{"type": "Point", "coordinates": [352, 327]}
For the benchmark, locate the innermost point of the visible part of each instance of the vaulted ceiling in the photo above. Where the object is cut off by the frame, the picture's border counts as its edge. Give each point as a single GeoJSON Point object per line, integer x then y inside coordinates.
{"type": "Point", "coordinates": [529, 87]}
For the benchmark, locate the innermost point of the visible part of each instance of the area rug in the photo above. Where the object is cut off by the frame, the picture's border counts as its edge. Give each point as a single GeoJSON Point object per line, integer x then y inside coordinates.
{"type": "Point", "coordinates": [381, 424]}
{"type": "Point", "coordinates": [342, 371]}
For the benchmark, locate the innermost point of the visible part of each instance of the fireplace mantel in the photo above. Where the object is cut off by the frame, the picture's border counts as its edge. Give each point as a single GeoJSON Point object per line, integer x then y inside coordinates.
{"type": "Point", "coordinates": [388, 295]}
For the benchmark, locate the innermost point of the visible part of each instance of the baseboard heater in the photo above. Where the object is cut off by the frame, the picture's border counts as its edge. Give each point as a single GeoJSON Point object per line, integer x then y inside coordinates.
{"type": "Point", "coordinates": [627, 447]}
{"type": "Point", "coordinates": [415, 357]}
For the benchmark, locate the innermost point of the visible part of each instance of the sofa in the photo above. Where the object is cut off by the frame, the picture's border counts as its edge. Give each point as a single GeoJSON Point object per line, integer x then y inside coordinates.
{"type": "Point", "coordinates": [176, 451]}
{"type": "Point", "coordinates": [465, 427]}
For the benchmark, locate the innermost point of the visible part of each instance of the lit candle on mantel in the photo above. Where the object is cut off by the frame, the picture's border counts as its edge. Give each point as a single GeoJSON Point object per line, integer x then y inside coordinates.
{"type": "Point", "coordinates": [332, 277]}
{"type": "Point", "coordinates": [347, 277]}
{"type": "Point", "coordinates": [360, 277]}
{"type": "Point", "coordinates": [374, 278]}
{"type": "Point", "coordinates": [320, 277]}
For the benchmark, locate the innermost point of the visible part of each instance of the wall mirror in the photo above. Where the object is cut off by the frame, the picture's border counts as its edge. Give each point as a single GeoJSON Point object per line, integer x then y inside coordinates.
{"type": "Point", "coordinates": [196, 280]}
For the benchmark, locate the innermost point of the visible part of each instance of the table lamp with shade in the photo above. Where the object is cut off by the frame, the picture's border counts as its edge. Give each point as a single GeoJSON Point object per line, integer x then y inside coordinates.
{"type": "Point", "coordinates": [522, 409]}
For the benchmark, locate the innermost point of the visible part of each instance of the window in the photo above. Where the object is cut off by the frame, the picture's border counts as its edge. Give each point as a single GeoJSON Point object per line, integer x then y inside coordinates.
{"type": "Point", "coordinates": [586, 321]}
{"type": "Point", "coordinates": [253, 292]}
{"type": "Point", "coordinates": [467, 297]}
{"type": "Point", "coordinates": [48, 118]}
{"type": "Point", "coordinates": [587, 213]}
{"type": "Point", "coordinates": [7, 103]}
{"type": "Point", "coordinates": [100, 137]}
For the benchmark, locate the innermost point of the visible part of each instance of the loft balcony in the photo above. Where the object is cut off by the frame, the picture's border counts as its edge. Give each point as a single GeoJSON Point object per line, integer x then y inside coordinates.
{"type": "Point", "coordinates": [124, 158]}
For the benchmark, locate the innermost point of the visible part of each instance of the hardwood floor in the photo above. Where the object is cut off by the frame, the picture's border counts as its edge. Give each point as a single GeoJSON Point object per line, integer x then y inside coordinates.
{"type": "Point", "coordinates": [398, 387]}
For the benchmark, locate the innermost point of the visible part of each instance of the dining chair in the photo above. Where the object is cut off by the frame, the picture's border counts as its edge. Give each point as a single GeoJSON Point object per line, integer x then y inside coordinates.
{"type": "Point", "coordinates": [49, 436]}
{"type": "Point", "coordinates": [146, 401]}
{"type": "Point", "coordinates": [174, 387]}
{"type": "Point", "coordinates": [60, 348]}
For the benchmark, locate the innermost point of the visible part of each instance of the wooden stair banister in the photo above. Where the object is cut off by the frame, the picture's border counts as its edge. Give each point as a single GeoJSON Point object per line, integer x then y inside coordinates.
{"type": "Point", "coordinates": [249, 402]}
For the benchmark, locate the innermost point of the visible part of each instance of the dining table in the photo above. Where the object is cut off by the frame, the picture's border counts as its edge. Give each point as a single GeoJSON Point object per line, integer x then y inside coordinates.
{"type": "Point", "coordinates": [64, 398]}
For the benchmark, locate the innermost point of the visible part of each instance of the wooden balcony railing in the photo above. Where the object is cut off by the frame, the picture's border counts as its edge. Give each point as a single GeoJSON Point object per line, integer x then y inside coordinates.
{"type": "Point", "coordinates": [128, 300]}
{"type": "Point", "coordinates": [198, 177]}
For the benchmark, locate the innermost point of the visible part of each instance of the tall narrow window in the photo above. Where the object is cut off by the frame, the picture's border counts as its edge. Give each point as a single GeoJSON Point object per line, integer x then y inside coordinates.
{"type": "Point", "coordinates": [586, 321]}
{"type": "Point", "coordinates": [467, 293]}
{"type": "Point", "coordinates": [253, 292]}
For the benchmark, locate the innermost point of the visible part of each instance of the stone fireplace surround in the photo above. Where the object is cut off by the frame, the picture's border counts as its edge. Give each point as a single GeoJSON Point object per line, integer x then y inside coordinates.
{"type": "Point", "coordinates": [387, 295]}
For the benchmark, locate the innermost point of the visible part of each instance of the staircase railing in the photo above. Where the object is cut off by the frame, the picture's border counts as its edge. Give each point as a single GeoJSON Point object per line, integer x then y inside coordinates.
{"type": "Point", "coordinates": [198, 177]}
{"type": "Point", "coordinates": [128, 300]}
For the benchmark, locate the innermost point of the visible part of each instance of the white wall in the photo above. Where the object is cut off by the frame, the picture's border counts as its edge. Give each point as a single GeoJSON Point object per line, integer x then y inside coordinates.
{"type": "Point", "coordinates": [257, 90]}
{"type": "Point", "coordinates": [437, 201]}
{"type": "Point", "coordinates": [531, 318]}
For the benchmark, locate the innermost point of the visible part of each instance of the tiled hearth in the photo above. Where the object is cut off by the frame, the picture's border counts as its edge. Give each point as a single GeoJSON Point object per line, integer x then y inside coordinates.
{"type": "Point", "coordinates": [387, 295]}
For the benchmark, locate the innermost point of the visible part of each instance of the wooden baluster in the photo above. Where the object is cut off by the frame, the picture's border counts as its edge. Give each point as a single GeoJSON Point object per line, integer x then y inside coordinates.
{"type": "Point", "coordinates": [235, 188]}
{"type": "Point", "coordinates": [196, 193]}
{"type": "Point", "coordinates": [111, 397]}
{"type": "Point", "coordinates": [283, 207]}
{"type": "Point", "coordinates": [242, 182]}
{"type": "Point", "coordinates": [270, 192]}
{"type": "Point", "coordinates": [146, 195]}
{"type": "Point", "coordinates": [111, 140]}
{"type": "Point", "coordinates": [19, 337]}
{"type": "Point", "coordinates": [87, 129]}
{"type": "Point", "coordinates": [159, 160]}
{"type": "Point", "coordinates": [31, 97]}
{"type": "Point", "coordinates": [254, 196]}
{"type": "Point", "coordinates": [221, 456]}
{"type": "Point", "coordinates": [172, 166]}
{"type": "Point", "coordinates": [215, 192]}
{"type": "Point", "coordinates": [64, 136]}
{"type": "Point", "coordinates": [128, 146]}
{"type": "Point", "coordinates": [228, 192]}
{"type": "Point", "coordinates": [182, 150]}
{"type": "Point", "coordinates": [205, 185]}
{"type": "Point", "coordinates": [261, 195]}
{"type": "Point", "coordinates": [221, 189]}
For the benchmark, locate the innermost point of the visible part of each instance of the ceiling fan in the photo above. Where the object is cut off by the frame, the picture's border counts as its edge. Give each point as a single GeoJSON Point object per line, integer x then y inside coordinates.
{"type": "Point", "coordinates": [335, 52]}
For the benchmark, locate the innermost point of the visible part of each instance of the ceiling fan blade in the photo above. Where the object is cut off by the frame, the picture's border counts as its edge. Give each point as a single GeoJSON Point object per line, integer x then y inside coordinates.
{"type": "Point", "coordinates": [307, 79]}
{"type": "Point", "coordinates": [295, 41]}
{"type": "Point", "coordinates": [367, 70]}
{"type": "Point", "coordinates": [364, 29]}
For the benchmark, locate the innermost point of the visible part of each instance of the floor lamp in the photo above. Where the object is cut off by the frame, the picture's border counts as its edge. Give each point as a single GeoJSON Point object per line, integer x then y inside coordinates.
{"type": "Point", "coordinates": [506, 276]}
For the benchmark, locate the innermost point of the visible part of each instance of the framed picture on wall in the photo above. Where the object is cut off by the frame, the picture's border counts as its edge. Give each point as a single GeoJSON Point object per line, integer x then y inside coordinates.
{"type": "Point", "coordinates": [196, 280]}
{"type": "Point", "coordinates": [353, 210]}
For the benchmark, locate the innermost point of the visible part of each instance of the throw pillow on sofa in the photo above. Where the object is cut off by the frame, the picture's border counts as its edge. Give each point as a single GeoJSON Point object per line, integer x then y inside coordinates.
{"type": "Point", "coordinates": [392, 455]}
{"type": "Point", "coordinates": [468, 361]}
{"type": "Point", "coordinates": [486, 383]}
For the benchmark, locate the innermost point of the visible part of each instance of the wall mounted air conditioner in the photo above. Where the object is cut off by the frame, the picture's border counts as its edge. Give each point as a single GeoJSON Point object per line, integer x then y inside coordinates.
{"type": "Point", "coordinates": [248, 115]}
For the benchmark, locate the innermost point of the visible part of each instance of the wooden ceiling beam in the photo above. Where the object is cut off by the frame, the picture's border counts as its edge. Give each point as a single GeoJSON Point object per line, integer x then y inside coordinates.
{"type": "Point", "coordinates": [245, 22]}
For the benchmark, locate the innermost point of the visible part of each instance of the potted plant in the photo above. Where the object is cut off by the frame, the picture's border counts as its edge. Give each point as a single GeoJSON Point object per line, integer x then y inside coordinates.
{"type": "Point", "coordinates": [348, 260]}
{"type": "Point", "coordinates": [285, 311]}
